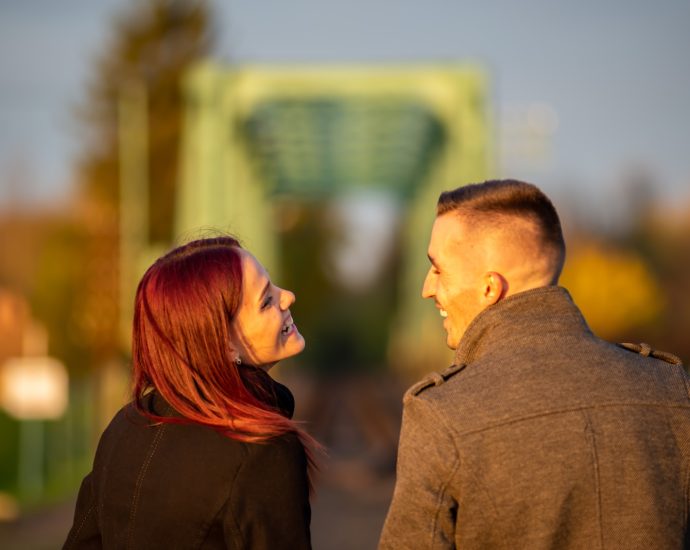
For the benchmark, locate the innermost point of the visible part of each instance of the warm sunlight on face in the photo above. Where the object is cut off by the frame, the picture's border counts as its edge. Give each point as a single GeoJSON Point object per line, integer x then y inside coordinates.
{"type": "Point", "coordinates": [264, 330]}
{"type": "Point", "coordinates": [454, 279]}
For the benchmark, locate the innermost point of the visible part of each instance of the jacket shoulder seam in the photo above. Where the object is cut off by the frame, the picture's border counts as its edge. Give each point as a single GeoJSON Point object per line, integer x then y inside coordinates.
{"type": "Point", "coordinates": [75, 536]}
{"type": "Point", "coordinates": [246, 452]}
{"type": "Point", "coordinates": [442, 493]}
{"type": "Point", "coordinates": [591, 438]}
{"type": "Point", "coordinates": [582, 408]}
{"type": "Point", "coordinates": [140, 481]}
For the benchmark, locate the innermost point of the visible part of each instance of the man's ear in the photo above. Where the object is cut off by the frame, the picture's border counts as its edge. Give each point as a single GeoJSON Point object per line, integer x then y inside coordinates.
{"type": "Point", "coordinates": [495, 287]}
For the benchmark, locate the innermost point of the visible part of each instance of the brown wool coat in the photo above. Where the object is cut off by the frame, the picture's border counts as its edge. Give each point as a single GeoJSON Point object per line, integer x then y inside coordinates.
{"type": "Point", "coordinates": [544, 436]}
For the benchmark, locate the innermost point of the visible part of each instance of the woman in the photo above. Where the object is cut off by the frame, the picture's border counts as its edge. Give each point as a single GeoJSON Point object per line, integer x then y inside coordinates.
{"type": "Point", "coordinates": [206, 455]}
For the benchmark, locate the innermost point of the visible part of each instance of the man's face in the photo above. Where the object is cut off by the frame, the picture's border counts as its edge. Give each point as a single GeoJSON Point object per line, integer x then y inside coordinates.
{"type": "Point", "coordinates": [454, 279]}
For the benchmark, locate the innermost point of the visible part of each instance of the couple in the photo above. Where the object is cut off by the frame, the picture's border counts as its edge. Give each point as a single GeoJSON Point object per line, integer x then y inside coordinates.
{"type": "Point", "coordinates": [539, 436]}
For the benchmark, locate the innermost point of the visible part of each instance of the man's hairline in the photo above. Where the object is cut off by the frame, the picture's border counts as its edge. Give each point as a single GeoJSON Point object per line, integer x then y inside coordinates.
{"type": "Point", "coordinates": [480, 226]}
{"type": "Point", "coordinates": [467, 215]}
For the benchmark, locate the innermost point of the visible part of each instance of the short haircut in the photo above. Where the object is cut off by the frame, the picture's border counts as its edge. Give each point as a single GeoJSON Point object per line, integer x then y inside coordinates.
{"type": "Point", "coordinates": [495, 200]}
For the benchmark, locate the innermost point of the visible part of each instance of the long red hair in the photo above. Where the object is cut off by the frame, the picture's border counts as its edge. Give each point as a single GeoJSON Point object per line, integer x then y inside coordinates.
{"type": "Point", "coordinates": [182, 346]}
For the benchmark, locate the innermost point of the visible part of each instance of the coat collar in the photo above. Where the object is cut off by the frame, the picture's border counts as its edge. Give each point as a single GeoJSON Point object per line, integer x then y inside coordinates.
{"type": "Point", "coordinates": [523, 318]}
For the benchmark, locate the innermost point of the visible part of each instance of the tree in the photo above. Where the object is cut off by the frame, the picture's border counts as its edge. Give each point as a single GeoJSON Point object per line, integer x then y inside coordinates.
{"type": "Point", "coordinates": [153, 44]}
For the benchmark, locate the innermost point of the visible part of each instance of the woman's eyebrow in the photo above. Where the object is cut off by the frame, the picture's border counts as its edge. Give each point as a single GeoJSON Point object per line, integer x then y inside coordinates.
{"type": "Point", "coordinates": [265, 290]}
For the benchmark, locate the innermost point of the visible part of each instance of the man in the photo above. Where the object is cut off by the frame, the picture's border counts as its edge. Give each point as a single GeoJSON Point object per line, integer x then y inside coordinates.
{"type": "Point", "coordinates": [540, 435]}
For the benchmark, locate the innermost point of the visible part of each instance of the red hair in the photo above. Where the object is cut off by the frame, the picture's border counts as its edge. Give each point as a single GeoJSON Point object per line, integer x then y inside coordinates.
{"type": "Point", "coordinates": [182, 346]}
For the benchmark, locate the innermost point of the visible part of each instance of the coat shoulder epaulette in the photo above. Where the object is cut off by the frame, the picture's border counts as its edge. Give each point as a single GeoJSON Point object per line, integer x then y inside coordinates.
{"type": "Point", "coordinates": [647, 351]}
{"type": "Point", "coordinates": [432, 380]}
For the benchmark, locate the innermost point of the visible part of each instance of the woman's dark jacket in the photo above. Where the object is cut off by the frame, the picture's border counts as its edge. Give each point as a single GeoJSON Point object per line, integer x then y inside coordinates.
{"type": "Point", "coordinates": [188, 486]}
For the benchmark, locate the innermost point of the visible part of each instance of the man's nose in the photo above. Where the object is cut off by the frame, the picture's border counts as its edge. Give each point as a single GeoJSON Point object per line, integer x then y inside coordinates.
{"type": "Point", "coordinates": [429, 286]}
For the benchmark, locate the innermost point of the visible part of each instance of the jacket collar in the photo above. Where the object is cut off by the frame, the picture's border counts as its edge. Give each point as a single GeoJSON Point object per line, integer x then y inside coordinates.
{"type": "Point", "coordinates": [266, 389]}
{"type": "Point", "coordinates": [522, 319]}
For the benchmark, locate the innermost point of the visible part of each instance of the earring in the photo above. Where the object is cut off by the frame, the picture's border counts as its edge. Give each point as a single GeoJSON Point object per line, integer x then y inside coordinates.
{"type": "Point", "coordinates": [238, 361]}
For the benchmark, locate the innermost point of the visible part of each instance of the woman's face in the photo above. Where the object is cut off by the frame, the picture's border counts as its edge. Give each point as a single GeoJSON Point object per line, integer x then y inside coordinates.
{"type": "Point", "coordinates": [264, 330]}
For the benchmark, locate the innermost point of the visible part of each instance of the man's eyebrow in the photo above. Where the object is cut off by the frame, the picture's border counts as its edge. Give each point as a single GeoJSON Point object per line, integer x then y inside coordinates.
{"type": "Point", "coordinates": [431, 259]}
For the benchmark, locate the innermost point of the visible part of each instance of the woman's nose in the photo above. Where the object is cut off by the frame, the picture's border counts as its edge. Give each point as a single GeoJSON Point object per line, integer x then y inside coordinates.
{"type": "Point", "coordinates": [287, 298]}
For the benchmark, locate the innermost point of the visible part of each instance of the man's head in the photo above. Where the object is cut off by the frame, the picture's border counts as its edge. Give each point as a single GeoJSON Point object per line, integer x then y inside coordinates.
{"type": "Point", "coordinates": [490, 240]}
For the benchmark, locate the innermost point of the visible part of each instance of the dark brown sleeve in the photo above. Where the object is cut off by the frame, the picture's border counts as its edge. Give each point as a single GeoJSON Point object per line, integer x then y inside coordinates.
{"type": "Point", "coordinates": [84, 533]}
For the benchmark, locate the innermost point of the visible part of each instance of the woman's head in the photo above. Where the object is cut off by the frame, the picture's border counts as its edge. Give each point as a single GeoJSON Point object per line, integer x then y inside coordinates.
{"type": "Point", "coordinates": [263, 330]}
{"type": "Point", "coordinates": [199, 311]}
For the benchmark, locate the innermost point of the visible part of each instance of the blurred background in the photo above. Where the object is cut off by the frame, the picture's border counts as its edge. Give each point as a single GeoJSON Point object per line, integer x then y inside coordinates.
{"type": "Point", "coordinates": [321, 134]}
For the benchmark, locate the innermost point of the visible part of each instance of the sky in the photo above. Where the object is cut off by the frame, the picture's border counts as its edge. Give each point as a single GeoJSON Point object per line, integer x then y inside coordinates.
{"type": "Point", "coordinates": [605, 85]}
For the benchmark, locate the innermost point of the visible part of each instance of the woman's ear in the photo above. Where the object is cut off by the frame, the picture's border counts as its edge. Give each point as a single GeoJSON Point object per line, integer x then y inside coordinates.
{"type": "Point", "coordinates": [241, 350]}
{"type": "Point", "coordinates": [235, 354]}
{"type": "Point", "coordinates": [495, 287]}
